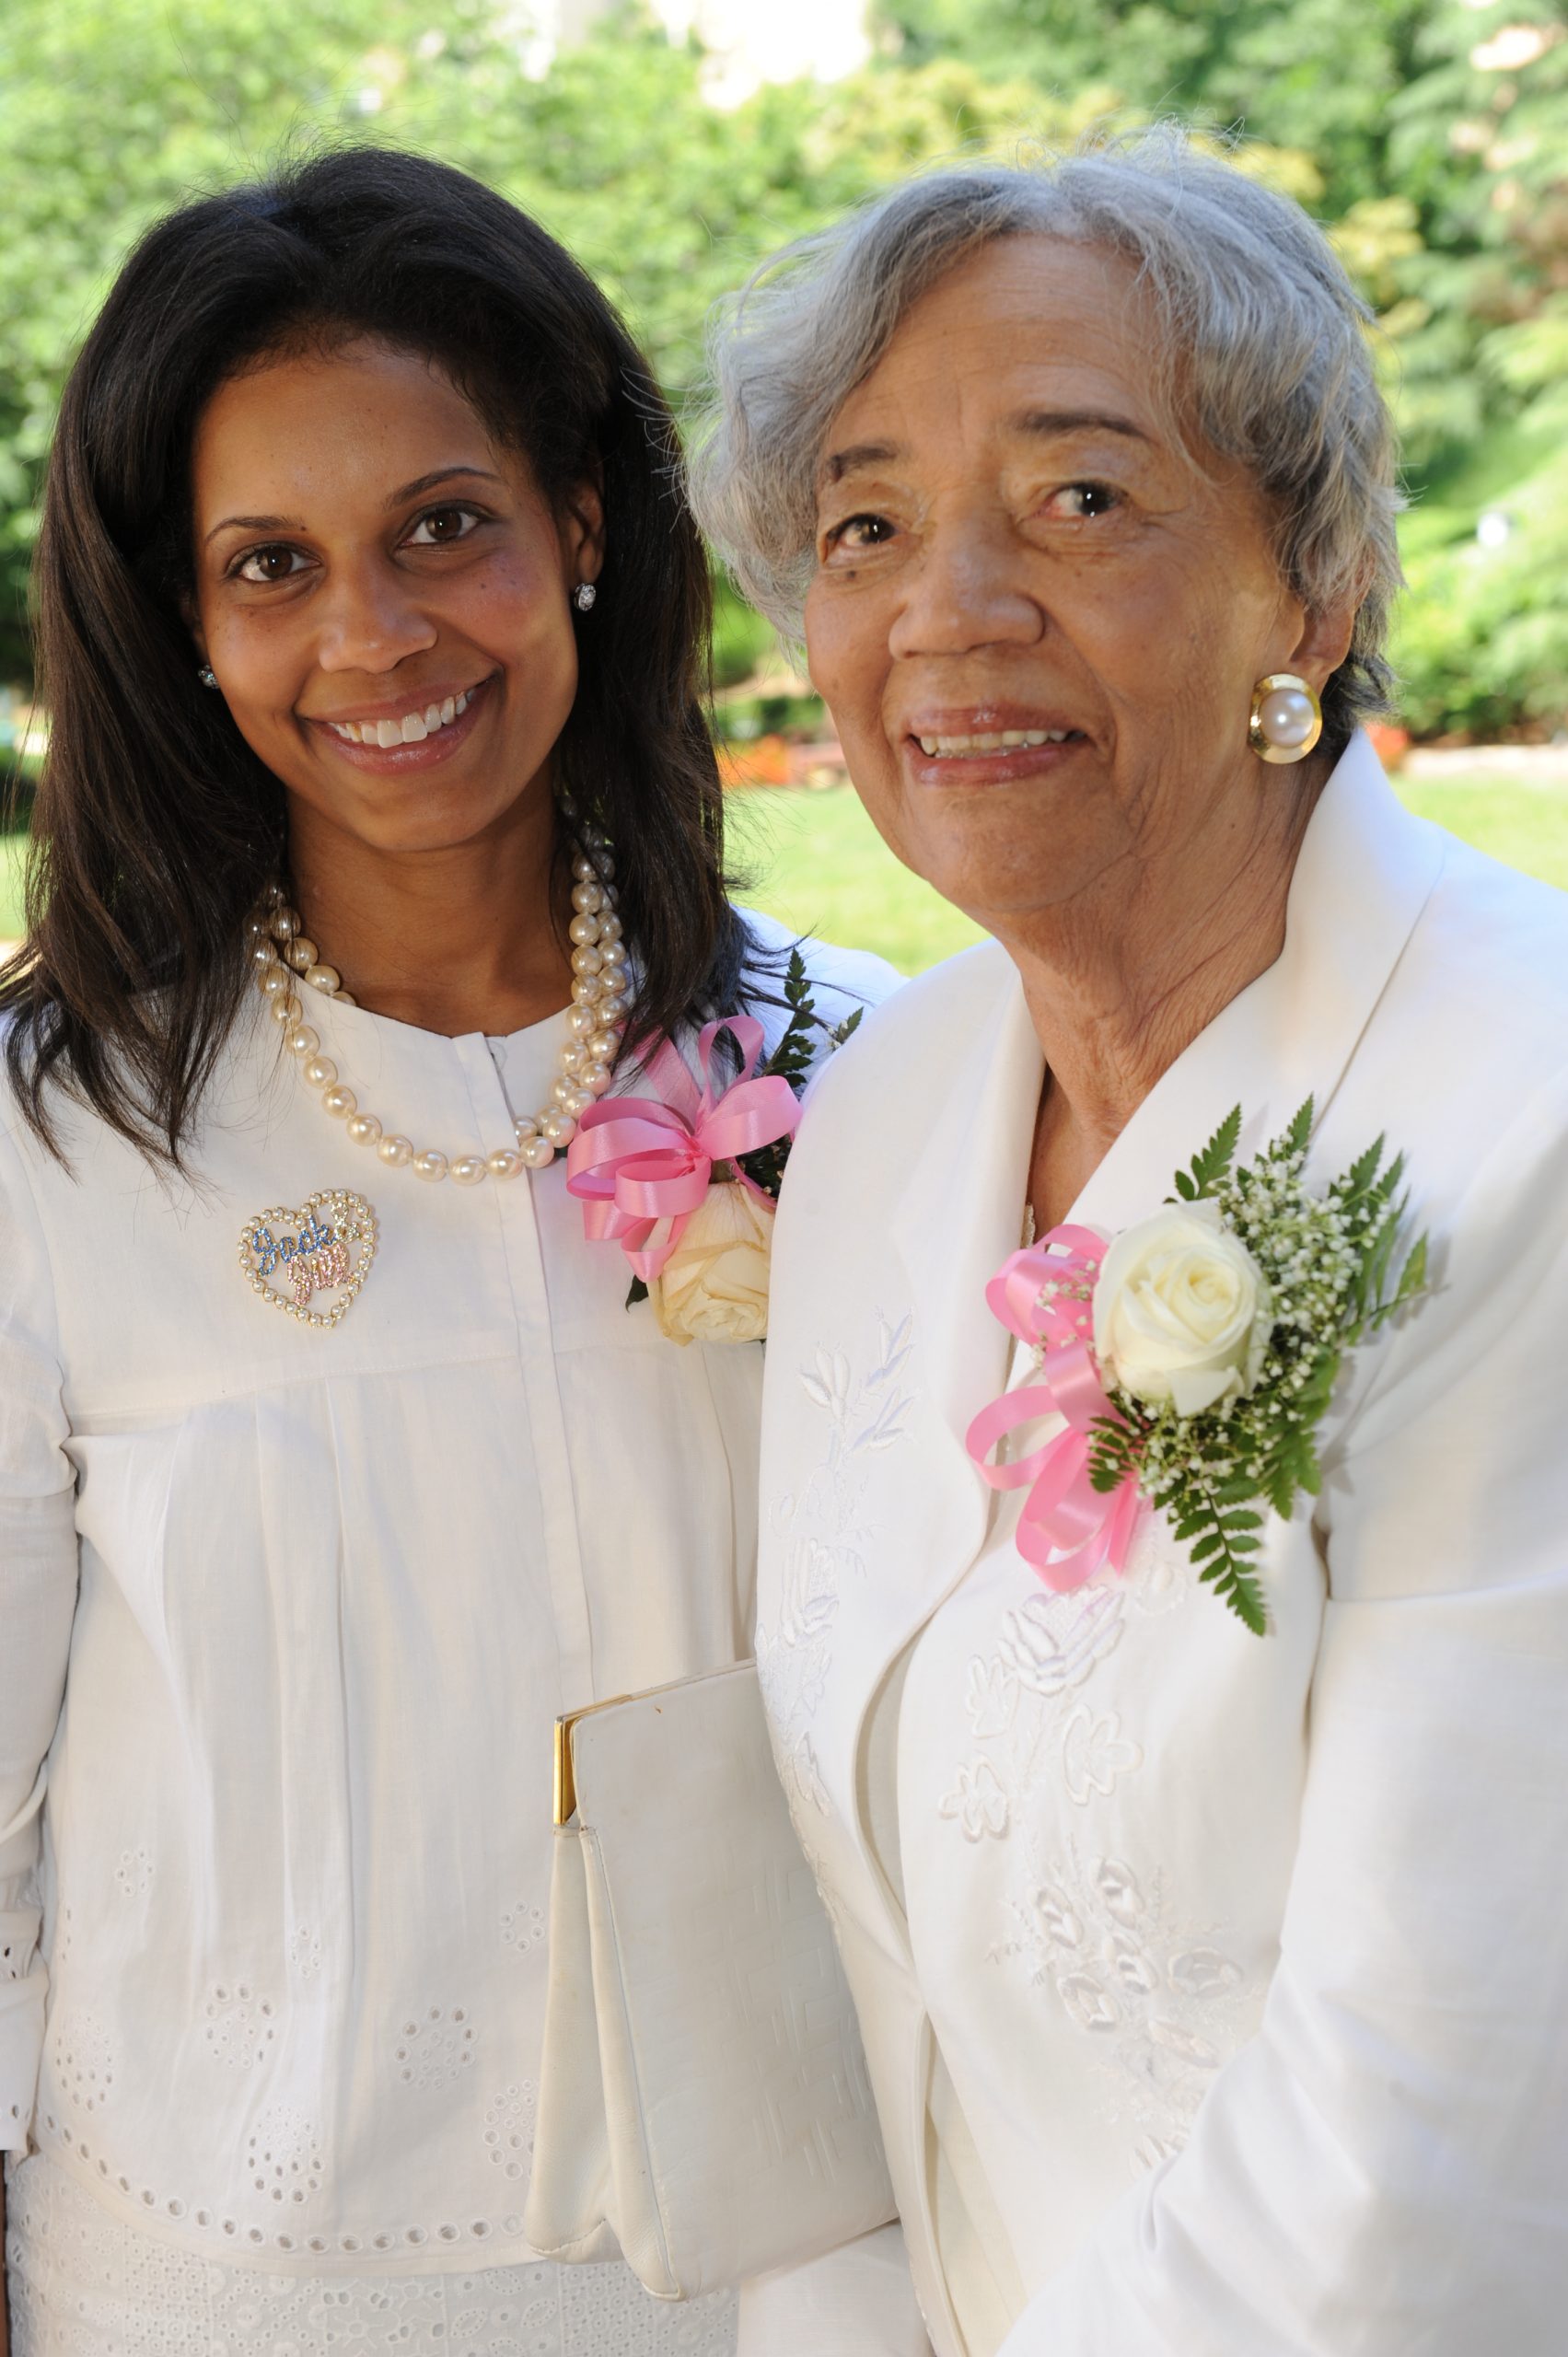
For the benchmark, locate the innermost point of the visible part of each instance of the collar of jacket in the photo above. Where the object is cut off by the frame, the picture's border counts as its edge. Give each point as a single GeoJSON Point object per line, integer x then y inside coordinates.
{"type": "Point", "coordinates": [1365, 871]}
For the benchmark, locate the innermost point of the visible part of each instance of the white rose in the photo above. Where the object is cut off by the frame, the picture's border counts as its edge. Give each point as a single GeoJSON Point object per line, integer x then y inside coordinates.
{"type": "Point", "coordinates": [1181, 1311]}
{"type": "Point", "coordinates": [714, 1287]}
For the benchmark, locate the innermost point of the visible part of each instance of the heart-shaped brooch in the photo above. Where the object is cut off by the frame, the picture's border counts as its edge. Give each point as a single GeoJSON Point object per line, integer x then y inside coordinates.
{"type": "Point", "coordinates": [295, 1258]}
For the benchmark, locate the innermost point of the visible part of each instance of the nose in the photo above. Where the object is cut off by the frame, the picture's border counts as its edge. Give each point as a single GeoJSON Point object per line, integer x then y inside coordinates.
{"type": "Point", "coordinates": [369, 620]}
{"type": "Point", "coordinates": [966, 590]}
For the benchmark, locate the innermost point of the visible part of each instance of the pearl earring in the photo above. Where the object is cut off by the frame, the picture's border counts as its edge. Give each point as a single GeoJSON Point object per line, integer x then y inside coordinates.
{"type": "Point", "coordinates": [1286, 719]}
{"type": "Point", "coordinates": [583, 596]}
{"type": "Point", "coordinates": [207, 676]}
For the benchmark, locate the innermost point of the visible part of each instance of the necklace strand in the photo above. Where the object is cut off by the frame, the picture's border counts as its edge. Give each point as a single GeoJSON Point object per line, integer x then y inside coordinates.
{"type": "Point", "coordinates": [285, 960]}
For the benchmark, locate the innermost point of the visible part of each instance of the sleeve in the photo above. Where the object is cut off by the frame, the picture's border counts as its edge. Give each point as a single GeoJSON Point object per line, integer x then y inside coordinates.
{"type": "Point", "coordinates": [856, 2301]}
{"type": "Point", "coordinates": [38, 1596]}
{"type": "Point", "coordinates": [1384, 2168]}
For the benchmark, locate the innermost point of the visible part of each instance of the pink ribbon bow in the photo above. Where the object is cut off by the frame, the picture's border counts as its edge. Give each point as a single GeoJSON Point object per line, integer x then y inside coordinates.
{"type": "Point", "coordinates": [639, 1165]}
{"type": "Point", "coordinates": [1067, 1529]}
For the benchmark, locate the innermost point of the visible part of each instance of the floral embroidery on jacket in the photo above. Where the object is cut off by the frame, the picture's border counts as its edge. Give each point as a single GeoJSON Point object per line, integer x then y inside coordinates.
{"type": "Point", "coordinates": [1164, 2002]}
{"type": "Point", "coordinates": [978, 1801]}
{"type": "Point", "coordinates": [824, 1543]}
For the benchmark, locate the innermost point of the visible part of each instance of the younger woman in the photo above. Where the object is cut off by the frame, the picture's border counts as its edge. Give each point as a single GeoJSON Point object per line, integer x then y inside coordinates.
{"type": "Point", "coordinates": [333, 1463]}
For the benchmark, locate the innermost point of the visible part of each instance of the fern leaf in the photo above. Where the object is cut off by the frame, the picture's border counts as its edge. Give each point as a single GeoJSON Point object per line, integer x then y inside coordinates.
{"type": "Point", "coordinates": [1245, 1599]}
{"type": "Point", "coordinates": [1363, 1172]}
{"type": "Point", "coordinates": [1300, 1131]}
{"type": "Point", "coordinates": [1210, 1167]}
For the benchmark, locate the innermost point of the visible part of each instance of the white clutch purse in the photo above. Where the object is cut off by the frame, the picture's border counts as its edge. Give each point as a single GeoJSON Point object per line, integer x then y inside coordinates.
{"type": "Point", "coordinates": [705, 2110]}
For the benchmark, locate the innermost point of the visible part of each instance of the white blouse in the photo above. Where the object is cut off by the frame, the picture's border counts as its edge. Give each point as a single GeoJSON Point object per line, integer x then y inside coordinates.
{"type": "Point", "coordinates": [289, 1611]}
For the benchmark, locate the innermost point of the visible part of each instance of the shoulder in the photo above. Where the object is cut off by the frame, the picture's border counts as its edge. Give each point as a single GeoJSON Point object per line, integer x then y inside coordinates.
{"type": "Point", "coordinates": [1468, 1043]}
{"type": "Point", "coordinates": [858, 976]}
{"type": "Point", "coordinates": [1489, 954]}
{"type": "Point", "coordinates": [844, 983]}
{"type": "Point", "coordinates": [913, 1047]}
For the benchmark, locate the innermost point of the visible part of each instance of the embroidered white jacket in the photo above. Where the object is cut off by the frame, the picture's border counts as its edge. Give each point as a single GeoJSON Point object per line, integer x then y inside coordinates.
{"type": "Point", "coordinates": [285, 1618]}
{"type": "Point", "coordinates": [1246, 1959]}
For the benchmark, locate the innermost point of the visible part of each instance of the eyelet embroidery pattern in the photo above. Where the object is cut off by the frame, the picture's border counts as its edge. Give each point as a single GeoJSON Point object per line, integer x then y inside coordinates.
{"type": "Point", "coordinates": [509, 2129]}
{"type": "Point", "coordinates": [522, 1926]}
{"type": "Point", "coordinates": [133, 1873]}
{"type": "Point", "coordinates": [434, 2047]}
{"type": "Point", "coordinates": [304, 1951]}
{"type": "Point", "coordinates": [84, 2060]}
{"type": "Point", "coordinates": [295, 2239]}
{"type": "Point", "coordinates": [238, 2026]}
{"type": "Point", "coordinates": [284, 2155]}
{"type": "Point", "coordinates": [83, 2282]}
{"type": "Point", "coordinates": [824, 1543]}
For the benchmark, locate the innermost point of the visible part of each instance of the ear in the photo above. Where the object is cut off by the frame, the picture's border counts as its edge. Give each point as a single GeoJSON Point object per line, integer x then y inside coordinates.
{"type": "Point", "coordinates": [582, 533]}
{"type": "Point", "coordinates": [1324, 642]}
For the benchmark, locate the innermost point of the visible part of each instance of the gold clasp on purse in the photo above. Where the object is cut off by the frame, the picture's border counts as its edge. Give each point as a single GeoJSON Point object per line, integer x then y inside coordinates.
{"type": "Point", "coordinates": [565, 1780]}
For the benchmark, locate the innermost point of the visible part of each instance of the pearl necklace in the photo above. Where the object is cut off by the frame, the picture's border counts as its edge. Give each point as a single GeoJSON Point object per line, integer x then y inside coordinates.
{"type": "Point", "coordinates": [284, 958]}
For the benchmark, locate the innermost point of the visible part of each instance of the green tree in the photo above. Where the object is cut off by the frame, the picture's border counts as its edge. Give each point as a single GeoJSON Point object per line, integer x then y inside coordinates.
{"type": "Point", "coordinates": [1318, 77]}
{"type": "Point", "coordinates": [1428, 134]}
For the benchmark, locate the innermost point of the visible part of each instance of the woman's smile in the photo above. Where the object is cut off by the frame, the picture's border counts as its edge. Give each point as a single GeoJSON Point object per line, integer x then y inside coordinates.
{"type": "Point", "coordinates": [985, 744]}
{"type": "Point", "coordinates": [424, 728]}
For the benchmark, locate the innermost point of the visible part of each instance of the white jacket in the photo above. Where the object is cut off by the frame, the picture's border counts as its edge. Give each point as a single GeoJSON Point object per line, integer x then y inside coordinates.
{"type": "Point", "coordinates": [1247, 1958]}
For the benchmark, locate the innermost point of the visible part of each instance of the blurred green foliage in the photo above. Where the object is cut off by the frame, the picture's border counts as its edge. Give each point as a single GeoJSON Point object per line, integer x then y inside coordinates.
{"type": "Point", "coordinates": [1432, 135]}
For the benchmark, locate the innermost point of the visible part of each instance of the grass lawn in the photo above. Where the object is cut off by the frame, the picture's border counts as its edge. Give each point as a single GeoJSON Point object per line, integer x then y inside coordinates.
{"type": "Point", "coordinates": [821, 867]}
{"type": "Point", "coordinates": [815, 862]}
{"type": "Point", "coordinates": [10, 886]}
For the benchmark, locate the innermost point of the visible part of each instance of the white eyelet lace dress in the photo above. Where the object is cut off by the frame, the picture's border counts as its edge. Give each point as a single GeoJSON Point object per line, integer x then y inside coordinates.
{"type": "Point", "coordinates": [289, 1611]}
{"type": "Point", "coordinates": [83, 2284]}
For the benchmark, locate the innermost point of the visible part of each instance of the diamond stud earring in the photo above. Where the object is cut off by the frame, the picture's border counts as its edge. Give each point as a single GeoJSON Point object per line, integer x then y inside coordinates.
{"type": "Point", "coordinates": [1286, 719]}
{"type": "Point", "coordinates": [207, 676]}
{"type": "Point", "coordinates": [583, 596]}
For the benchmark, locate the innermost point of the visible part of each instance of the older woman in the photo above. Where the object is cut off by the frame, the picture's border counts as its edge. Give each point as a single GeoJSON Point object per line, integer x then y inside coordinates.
{"type": "Point", "coordinates": [1210, 1979]}
{"type": "Point", "coordinates": [332, 1462]}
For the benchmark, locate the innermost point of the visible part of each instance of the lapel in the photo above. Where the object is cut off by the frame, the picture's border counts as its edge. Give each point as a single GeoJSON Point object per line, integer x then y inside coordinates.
{"type": "Point", "coordinates": [956, 1216]}
{"type": "Point", "coordinates": [1365, 871]}
{"type": "Point", "coordinates": [961, 1211]}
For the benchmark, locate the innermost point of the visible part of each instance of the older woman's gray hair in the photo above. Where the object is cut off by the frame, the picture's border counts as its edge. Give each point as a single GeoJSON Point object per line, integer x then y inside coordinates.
{"type": "Point", "coordinates": [1264, 357]}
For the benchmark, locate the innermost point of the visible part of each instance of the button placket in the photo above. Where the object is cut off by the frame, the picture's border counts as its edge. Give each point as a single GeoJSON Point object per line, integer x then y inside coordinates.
{"type": "Point", "coordinates": [523, 1250]}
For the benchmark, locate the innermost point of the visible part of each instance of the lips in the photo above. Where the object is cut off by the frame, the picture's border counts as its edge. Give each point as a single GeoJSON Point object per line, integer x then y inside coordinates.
{"type": "Point", "coordinates": [412, 729]}
{"type": "Point", "coordinates": [393, 743]}
{"type": "Point", "coordinates": [387, 728]}
{"type": "Point", "coordinates": [1004, 740]}
{"type": "Point", "coordinates": [987, 744]}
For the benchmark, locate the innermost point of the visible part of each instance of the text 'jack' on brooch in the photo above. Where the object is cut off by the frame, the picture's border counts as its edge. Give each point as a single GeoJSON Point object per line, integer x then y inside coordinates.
{"type": "Point", "coordinates": [296, 1258]}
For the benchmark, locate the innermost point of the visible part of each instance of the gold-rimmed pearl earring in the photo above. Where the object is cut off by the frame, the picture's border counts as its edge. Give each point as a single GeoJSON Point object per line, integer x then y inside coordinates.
{"type": "Point", "coordinates": [1286, 719]}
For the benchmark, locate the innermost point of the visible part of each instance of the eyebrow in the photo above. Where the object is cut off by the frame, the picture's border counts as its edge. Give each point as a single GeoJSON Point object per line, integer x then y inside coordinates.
{"type": "Point", "coordinates": [1038, 422]}
{"type": "Point", "coordinates": [397, 498]}
{"type": "Point", "coordinates": [1044, 422]}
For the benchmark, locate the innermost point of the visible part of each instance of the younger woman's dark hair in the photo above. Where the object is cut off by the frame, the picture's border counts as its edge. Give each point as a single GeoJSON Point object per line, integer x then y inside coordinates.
{"type": "Point", "coordinates": [156, 828]}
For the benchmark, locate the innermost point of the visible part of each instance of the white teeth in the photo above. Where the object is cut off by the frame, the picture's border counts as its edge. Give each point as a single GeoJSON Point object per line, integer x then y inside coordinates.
{"type": "Point", "coordinates": [1004, 740]}
{"type": "Point", "coordinates": [412, 729]}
